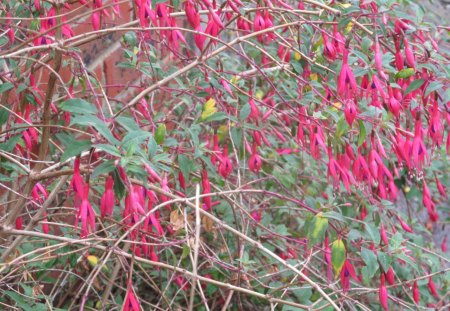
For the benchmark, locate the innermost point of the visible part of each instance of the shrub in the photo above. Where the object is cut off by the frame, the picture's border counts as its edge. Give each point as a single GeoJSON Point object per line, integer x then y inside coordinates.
{"type": "Point", "coordinates": [223, 155]}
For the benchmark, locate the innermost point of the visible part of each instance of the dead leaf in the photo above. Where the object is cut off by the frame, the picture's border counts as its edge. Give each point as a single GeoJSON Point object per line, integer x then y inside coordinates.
{"type": "Point", "coordinates": [208, 224]}
{"type": "Point", "coordinates": [176, 220]}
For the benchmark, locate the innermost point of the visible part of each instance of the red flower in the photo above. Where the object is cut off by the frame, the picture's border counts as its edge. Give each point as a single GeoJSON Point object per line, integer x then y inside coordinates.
{"type": "Point", "coordinates": [254, 163]}
{"type": "Point", "coordinates": [130, 303]}
{"type": "Point", "coordinates": [206, 190]}
{"type": "Point", "coordinates": [432, 287]}
{"type": "Point", "coordinates": [383, 293]}
{"type": "Point", "coordinates": [86, 214]}
{"type": "Point", "coordinates": [350, 112]}
{"type": "Point", "coordinates": [107, 200]}
{"type": "Point", "coordinates": [416, 293]}
{"type": "Point", "coordinates": [225, 166]}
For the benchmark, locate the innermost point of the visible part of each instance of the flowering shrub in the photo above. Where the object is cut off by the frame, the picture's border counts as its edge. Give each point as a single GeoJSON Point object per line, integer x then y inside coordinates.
{"type": "Point", "coordinates": [223, 155]}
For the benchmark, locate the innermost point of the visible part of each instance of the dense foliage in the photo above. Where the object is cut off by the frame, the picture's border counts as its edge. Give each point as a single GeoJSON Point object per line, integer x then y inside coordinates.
{"type": "Point", "coordinates": [240, 155]}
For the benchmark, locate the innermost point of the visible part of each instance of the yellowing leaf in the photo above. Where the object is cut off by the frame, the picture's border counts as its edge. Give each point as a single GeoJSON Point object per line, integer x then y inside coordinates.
{"type": "Point", "coordinates": [314, 76]}
{"type": "Point", "coordinates": [297, 56]}
{"type": "Point", "coordinates": [345, 5]}
{"type": "Point", "coordinates": [234, 80]}
{"type": "Point", "coordinates": [93, 260]}
{"type": "Point", "coordinates": [160, 134]}
{"type": "Point", "coordinates": [222, 132]}
{"type": "Point", "coordinates": [259, 94]}
{"type": "Point", "coordinates": [317, 229]}
{"type": "Point", "coordinates": [209, 108]}
{"type": "Point", "coordinates": [337, 256]}
{"type": "Point", "coordinates": [337, 105]}
{"type": "Point", "coordinates": [349, 27]}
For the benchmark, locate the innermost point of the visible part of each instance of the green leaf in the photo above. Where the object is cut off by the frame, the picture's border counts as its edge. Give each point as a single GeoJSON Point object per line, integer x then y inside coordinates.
{"type": "Point", "coordinates": [104, 168]}
{"type": "Point", "coordinates": [341, 127]}
{"type": "Point", "coordinates": [433, 86]}
{"type": "Point", "coordinates": [100, 126]}
{"type": "Point", "coordinates": [414, 86]}
{"type": "Point", "coordinates": [9, 145]}
{"type": "Point", "coordinates": [75, 148]}
{"type": "Point", "coordinates": [109, 149]}
{"type": "Point", "coordinates": [373, 233]}
{"type": "Point", "coordinates": [371, 262]}
{"type": "Point", "coordinates": [185, 165]}
{"type": "Point", "coordinates": [362, 133]}
{"type": "Point", "coordinates": [6, 87]}
{"type": "Point", "coordinates": [218, 116]}
{"type": "Point", "coordinates": [4, 115]}
{"type": "Point", "coordinates": [384, 260]}
{"type": "Point", "coordinates": [317, 229]}
{"type": "Point", "coordinates": [244, 112]}
{"type": "Point", "coordinates": [160, 134]}
{"type": "Point", "coordinates": [333, 215]}
{"type": "Point", "coordinates": [405, 73]}
{"type": "Point", "coordinates": [78, 106]}
{"type": "Point", "coordinates": [338, 256]}
{"type": "Point", "coordinates": [186, 251]}
{"type": "Point", "coordinates": [135, 137]}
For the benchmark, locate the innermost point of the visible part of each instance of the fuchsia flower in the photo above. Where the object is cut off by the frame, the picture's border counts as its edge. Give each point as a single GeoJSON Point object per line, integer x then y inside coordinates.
{"type": "Point", "coordinates": [383, 293]}
{"type": "Point", "coordinates": [192, 13]}
{"type": "Point", "coordinates": [225, 166]}
{"type": "Point", "coordinates": [347, 272]}
{"type": "Point", "coordinates": [107, 200]}
{"type": "Point", "coordinates": [404, 225]}
{"type": "Point", "coordinates": [350, 111]}
{"type": "Point", "coordinates": [419, 151]}
{"type": "Point", "coordinates": [254, 163]}
{"type": "Point", "coordinates": [254, 110]}
{"type": "Point", "coordinates": [393, 104]}
{"type": "Point", "coordinates": [435, 130]}
{"type": "Point", "coordinates": [346, 84]}
{"type": "Point", "coordinates": [215, 155]}
{"type": "Point", "coordinates": [383, 235]}
{"type": "Point", "coordinates": [432, 288]}
{"type": "Point", "coordinates": [390, 276]}
{"type": "Point", "coordinates": [284, 53]}
{"type": "Point", "coordinates": [416, 293]}
{"type": "Point", "coordinates": [409, 54]}
{"type": "Point", "coordinates": [378, 58]}
{"type": "Point", "coordinates": [206, 190]}
{"type": "Point", "coordinates": [39, 194]}
{"type": "Point", "coordinates": [329, 50]}
{"type": "Point", "coordinates": [441, 188]}
{"type": "Point", "coordinates": [86, 214]}
{"type": "Point", "coordinates": [130, 303]}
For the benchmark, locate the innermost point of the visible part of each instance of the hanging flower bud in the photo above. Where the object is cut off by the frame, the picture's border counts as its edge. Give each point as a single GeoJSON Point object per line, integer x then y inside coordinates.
{"type": "Point", "coordinates": [107, 200]}
{"type": "Point", "coordinates": [416, 293]}
{"type": "Point", "coordinates": [206, 190]}
{"type": "Point", "coordinates": [404, 225]}
{"type": "Point", "coordinates": [409, 55]}
{"type": "Point", "coordinates": [383, 235]}
{"type": "Point", "coordinates": [390, 276]}
{"type": "Point", "coordinates": [383, 293]}
{"type": "Point", "coordinates": [432, 288]}
{"type": "Point", "coordinates": [441, 188]}
{"type": "Point", "coordinates": [181, 180]}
